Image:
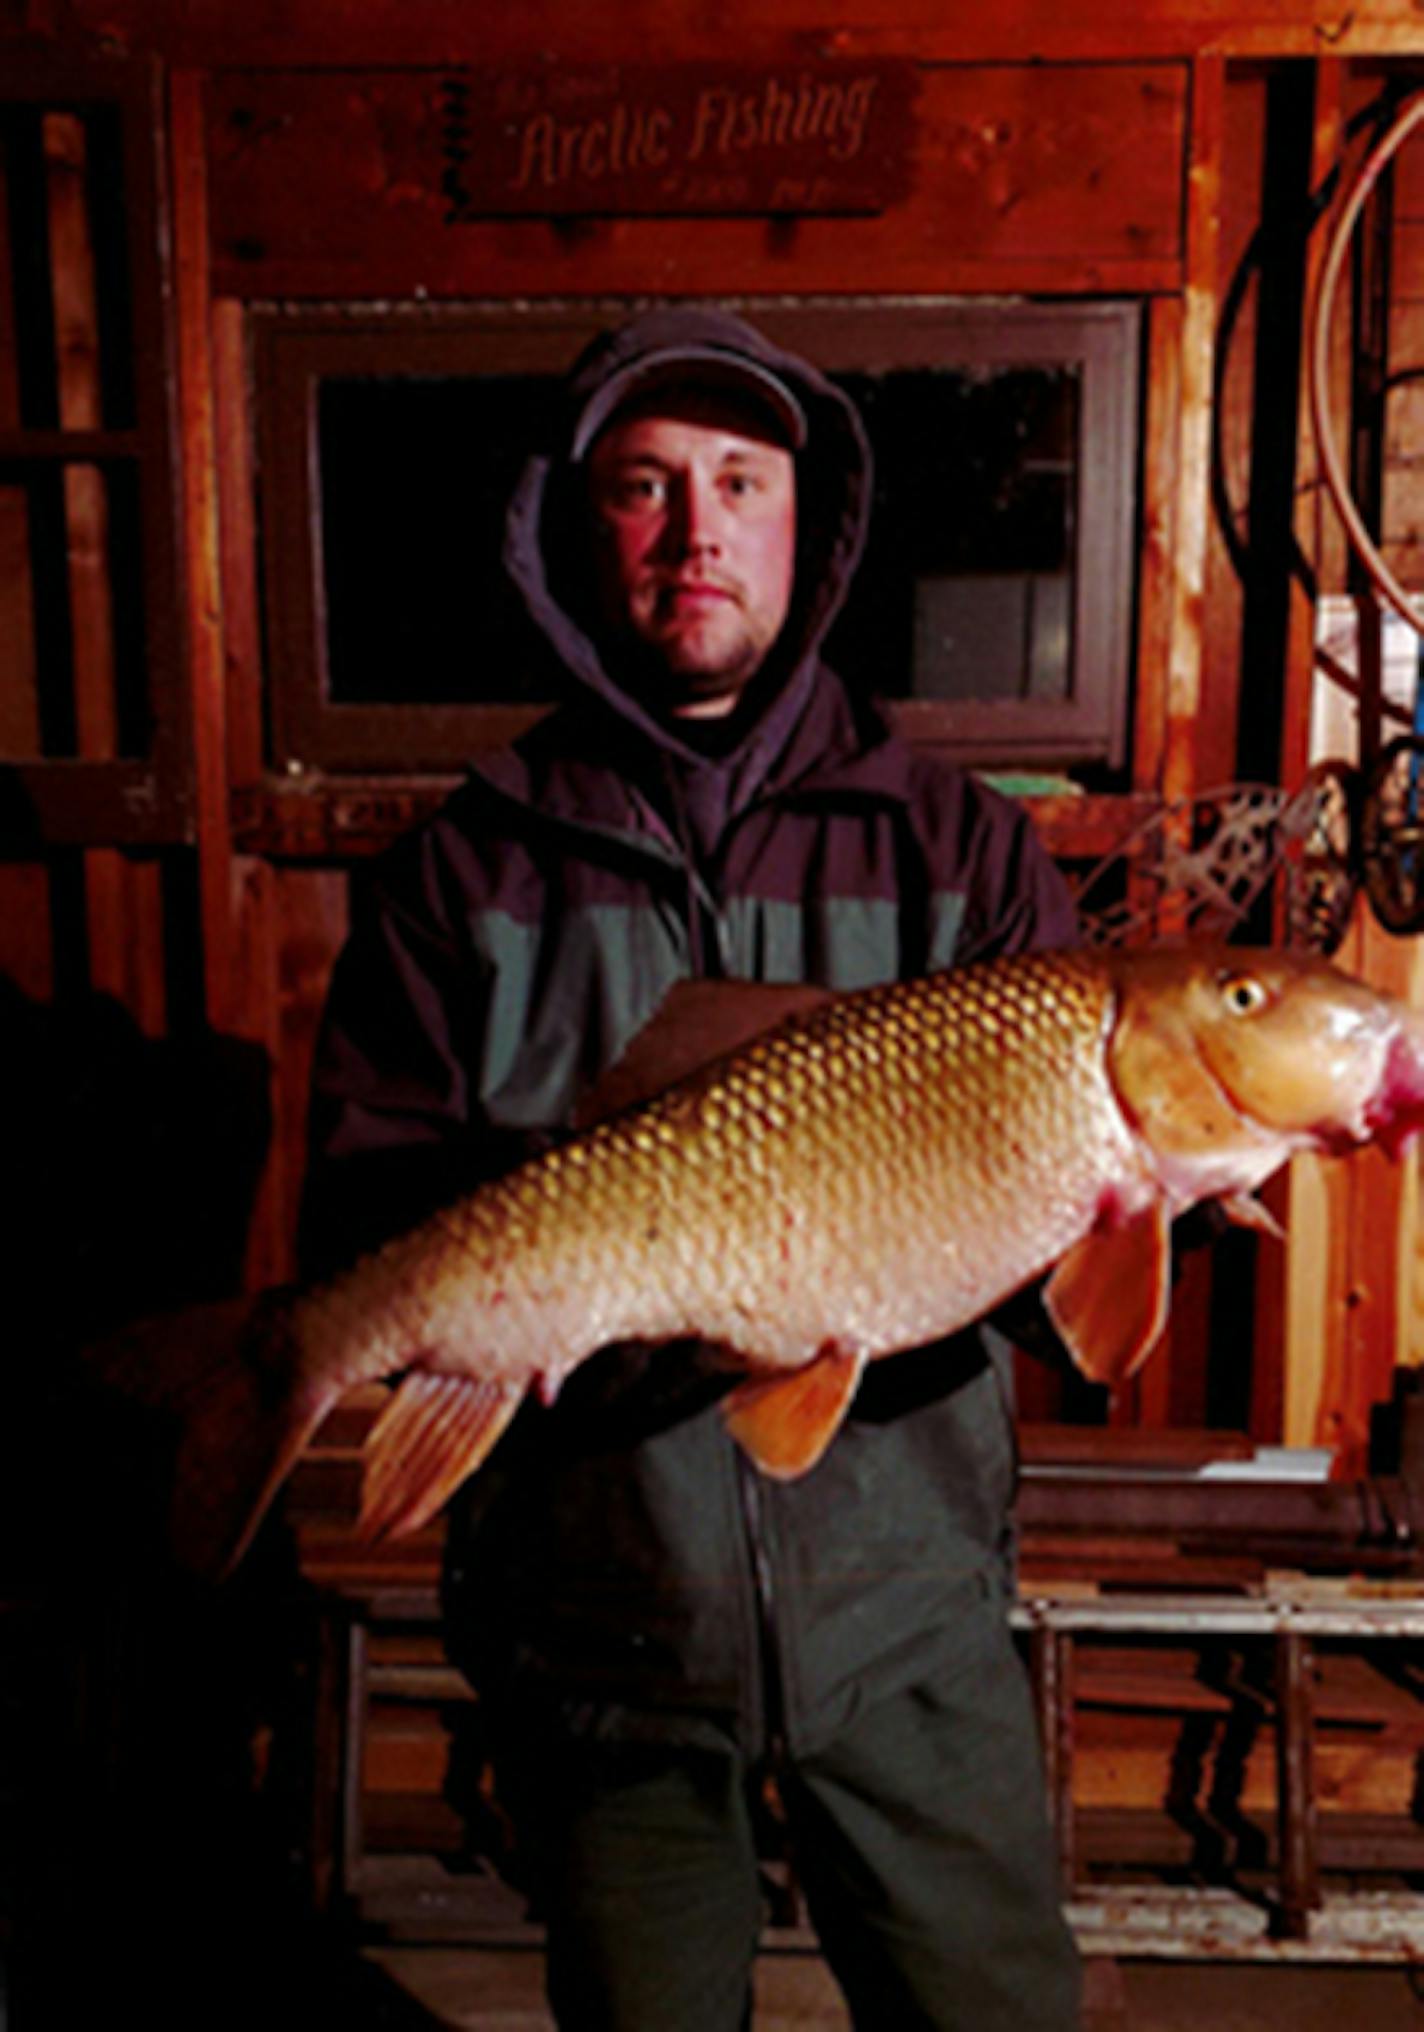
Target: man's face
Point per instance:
(695, 536)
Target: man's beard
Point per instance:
(667, 684)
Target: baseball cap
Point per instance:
(690, 366)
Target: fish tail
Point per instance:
(229, 1376)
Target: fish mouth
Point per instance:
(1394, 1115)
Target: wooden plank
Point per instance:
(201, 581)
(9, 340)
(1372, 1329)
(254, 1012)
(298, 819)
(1346, 1265)
(1245, 111)
(127, 934)
(26, 944)
(1331, 546)
(123, 898)
(311, 923)
(86, 803)
(1028, 177)
(816, 136)
(86, 504)
(1132, 1760)
(1407, 249)
(1408, 174)
(1174, 732)
(1315, 1271)
(1155, 549)
(1409, 1286)
(1191, 520)
(19, 703)
(238, 540)
(1310, 530)
(205, 32)
(1295, 1784)
(19, 699)
(1292, 1289)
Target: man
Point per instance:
(662, 1639)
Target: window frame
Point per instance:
(148, 799)
(296, 346)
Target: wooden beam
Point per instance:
(1193, 507)
(209, 32)
(201, 579)
(19, 703)
(1157, 546)
(26, 939)
(238, 542)
(86, 504)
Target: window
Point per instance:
(94, 741)
(994, 604)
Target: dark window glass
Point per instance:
(966, 591)
(416, 476)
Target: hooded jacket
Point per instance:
(617, 1569)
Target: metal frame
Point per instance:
(1301, 1922)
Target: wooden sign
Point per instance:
(1008, 178)
(797, 139)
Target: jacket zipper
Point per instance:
(771, 1675)
(708, 959)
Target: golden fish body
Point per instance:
(871, 1176)
(866, 1177)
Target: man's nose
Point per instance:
(698, 517)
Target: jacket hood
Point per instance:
(546, 544)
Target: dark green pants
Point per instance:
(919, 1837)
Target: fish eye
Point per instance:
(1243, 994)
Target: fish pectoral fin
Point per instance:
(1244, 1210)
(435, 1432)
(785, 1423)
(1108, 1297)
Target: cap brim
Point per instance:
(691, 367)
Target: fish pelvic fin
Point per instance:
(1108, 1297)
(433, 1434)
(1244, 1210)
(785, 1423)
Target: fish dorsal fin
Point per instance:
(785, 1423)
(1108, 1297)
(435, 1431)
(696, 1023)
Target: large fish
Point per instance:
(868, 1175)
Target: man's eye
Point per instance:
(739, 485)
(638, 492)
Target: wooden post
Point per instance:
(1295, 1754)
(202, 581)
(1052, 1662)
(1198, 352)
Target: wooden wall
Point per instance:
(1093, 149)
